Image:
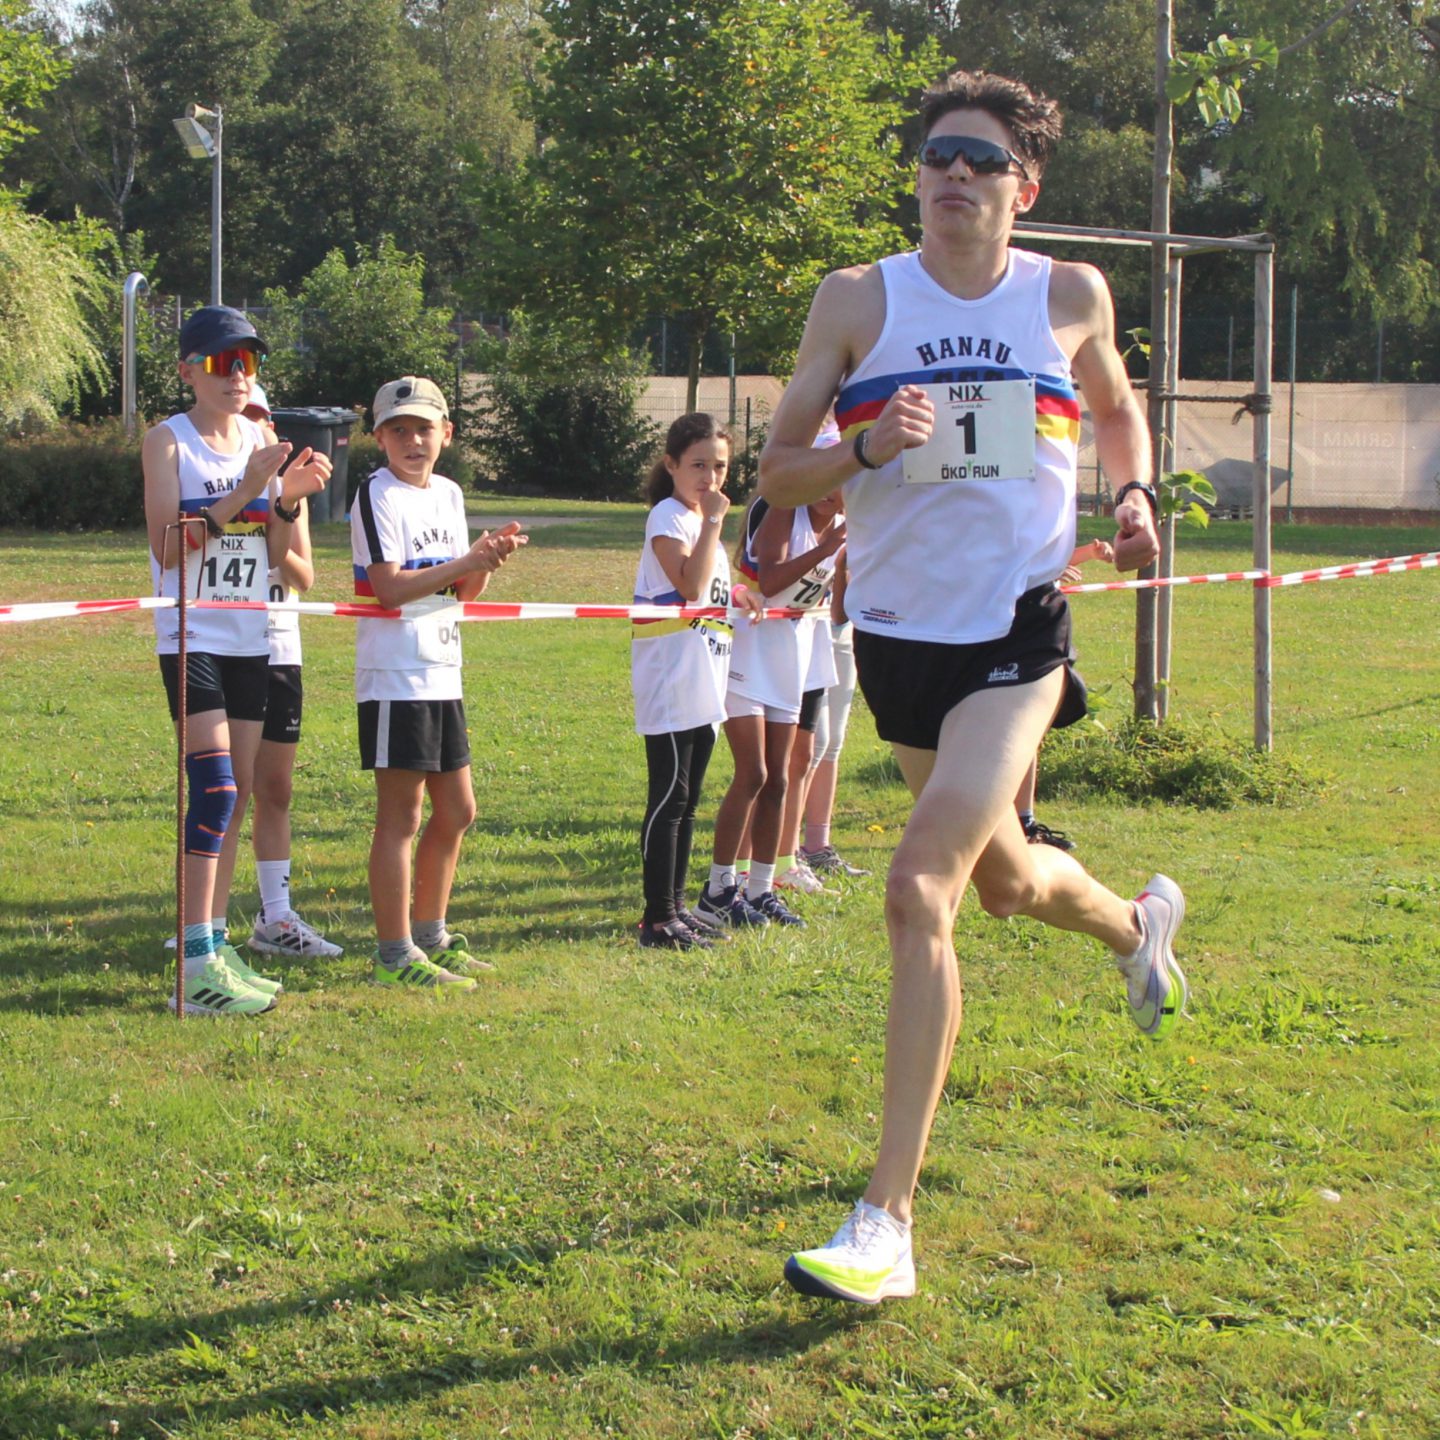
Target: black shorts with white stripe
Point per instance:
(425, 735)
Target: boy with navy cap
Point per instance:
(213, 463)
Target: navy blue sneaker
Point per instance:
(775, 910)
(729, 909)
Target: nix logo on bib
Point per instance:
(1003, 674)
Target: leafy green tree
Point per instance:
(707, 164)
(1335, 148)
(29, 66)
(350, 328)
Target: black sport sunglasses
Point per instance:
(981, 157)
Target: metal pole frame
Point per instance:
(1263, 248)
(135, 285)
(1260, 418)
(1165, 462)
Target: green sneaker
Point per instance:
(423, 973)
(218, 990)
(456, 957)
(253, 978)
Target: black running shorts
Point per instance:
(912, 685)
(236, 684)
(427, 735)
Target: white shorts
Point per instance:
(737, 707)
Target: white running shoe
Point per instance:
(291, 936)
(1156, 985)
(802, 878)
(868, 1260)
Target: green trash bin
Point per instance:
(326, 429)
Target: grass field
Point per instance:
(559, 1207)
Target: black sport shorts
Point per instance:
(236, 684)
(285, 705)
(912, 685)
(425, 735)
(810, 709)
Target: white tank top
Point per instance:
(772, 661)
(947, 561)
(233, 566)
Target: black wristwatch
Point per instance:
(288, 516)
(858, 446)
(1147, 491)
(215, 528)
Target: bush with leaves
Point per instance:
(552, 423)
(353, 327)
(73, 477)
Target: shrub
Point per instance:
(352, 328)
(73, 477)
(555, 424)
(1180, 761)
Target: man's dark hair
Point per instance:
(1033, 120)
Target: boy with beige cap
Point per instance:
(410, 542)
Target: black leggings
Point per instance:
(677, 764)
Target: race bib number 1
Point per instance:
(984, 430)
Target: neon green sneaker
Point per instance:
(218, 990)
(425, 974)
(253, 978)
(456, 957)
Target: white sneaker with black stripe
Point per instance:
(218, 990)
(291, 936)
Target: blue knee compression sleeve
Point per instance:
(212, 801)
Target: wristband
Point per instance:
(1146, 490)
(288, 516)
(714, 519)
(858, 446)
(215, 528)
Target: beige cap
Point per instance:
(409, 395)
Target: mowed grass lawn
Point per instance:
(560, 1206)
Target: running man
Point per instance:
(953, 370)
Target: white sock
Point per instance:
(274, 878)
(762, 878)
(722, 877)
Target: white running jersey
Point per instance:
(678, 668)
(772, 663)
(414, 527)
(232, 566)
(990, 512)
(283, 631)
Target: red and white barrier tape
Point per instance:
(486, 610)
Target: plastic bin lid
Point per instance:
(316, 414)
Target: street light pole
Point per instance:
(215, 210)
(205, 142)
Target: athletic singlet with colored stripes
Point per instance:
(947, 562)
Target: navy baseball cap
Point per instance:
(213, 328)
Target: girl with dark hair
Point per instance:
(679, 669)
